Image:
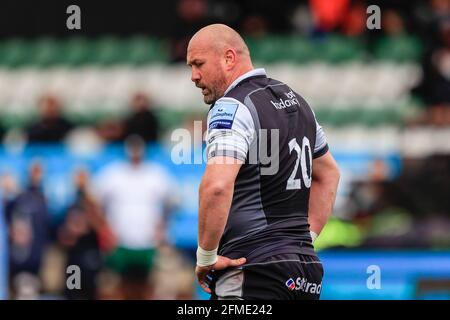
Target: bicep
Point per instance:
(221, 171)
(324, 166)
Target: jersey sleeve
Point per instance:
(230, 129)
(321, 146)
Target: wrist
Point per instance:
(206, 257)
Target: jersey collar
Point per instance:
(251, 73)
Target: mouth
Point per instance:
(204, 89)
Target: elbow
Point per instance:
(336, 174)
(213, 189)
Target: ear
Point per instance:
(230, 58)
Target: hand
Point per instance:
(222, 263)
(107, 239)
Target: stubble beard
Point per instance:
(216, 90)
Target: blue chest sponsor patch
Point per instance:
(222, 115)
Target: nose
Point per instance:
(195, 75)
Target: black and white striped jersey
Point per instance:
(265, 124)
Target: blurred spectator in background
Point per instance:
(410, 210)
(328, 14)
(2, 132)
(435, 85)
(142, 120)
(440, 9)
(190, 14)
(192, 11)
(10, 188)
(3, 253)
(178, 49)
(348, 17)
(354, 23)
(110, 130)
(82, 234)
(392, 23)
(51, 125)
(135, 196)
(254, 26)
(28, 222)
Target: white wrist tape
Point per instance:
(206, 257)
(313, 236)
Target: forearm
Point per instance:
(321, 202)
(215, 202)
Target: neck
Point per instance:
(239, 72)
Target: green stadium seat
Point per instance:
(300, 50)
(338, 118)
(44, 52)
(267, 49)
(141, 50)
(403, 48)
(105, 51)
(322, 115)
(337, 49)
(14, 53)
(75, 51)
(13, 120)
(270, 49)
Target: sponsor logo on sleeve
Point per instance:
(222, 116)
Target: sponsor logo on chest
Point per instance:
(285, 103)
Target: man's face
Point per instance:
(207, 72)
(49, 108)
(139, 102)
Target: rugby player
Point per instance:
(264, 198)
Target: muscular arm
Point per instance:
(324, 185)
(228, 140)
(216, 194)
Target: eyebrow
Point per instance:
(195, 61)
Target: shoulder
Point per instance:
(226, 112)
